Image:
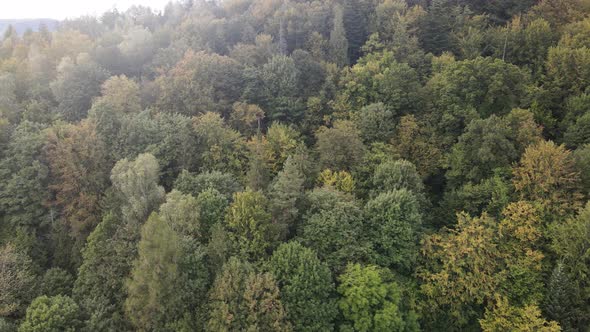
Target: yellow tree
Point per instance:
(546, 174)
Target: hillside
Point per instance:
(298, 165)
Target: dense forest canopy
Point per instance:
(298, 165)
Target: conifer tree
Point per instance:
(338, 41)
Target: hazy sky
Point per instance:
(60, 9)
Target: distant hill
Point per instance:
(21, 25)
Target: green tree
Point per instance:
(223, 149)
(306, 287)
(181, 212)
(338, 42)
(17, 281)
(199, 83)
(152, 300)
(285, 196)
(137, 181)
(490, 86)
(394, 221)
(195, 184)
(380, 78)
(112, 247)
(484, 147)
(371, 301)
(582, 162)
(120, 94)
(76, 84)
(52, 314)
(563, 302)
(395, 175)
(333, 227)
(265, 310)
(56, 281)
(569, 240)
(339, 147)
(249, 224)
(376, 123)
(228, 310)
(24, 177)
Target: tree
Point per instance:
(274, 87)
(181, 212)
(195, 184)
(339, 147)
(246, 117)
(333, 227)
(484, 147)
(200, 83)
(137, 181)
(152, 303)
(285, 198)
(258, 174)
(504, 317)
(376, 123)
(120, 94)
(582, 158)
(112, 247)
(415, 142)
(306, 287)
(567, 69)
(100, 286)
(242, 300)
(76, 84)
(17, 281)
(563, 302)
(79, 173)
(56, 281)
(265, 310)
(395, 175)
(380, 78)
(52, 314)
(371, 301)
(487, 85)
(223, 148)
(249, 225)
(546, 174)
(569, 240)
(24, 177)
(212, 206)
(341, 181)
(394, 222)
(469, 271)
(338, 42)
(228, 310)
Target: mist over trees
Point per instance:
(298, 165)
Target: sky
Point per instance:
(61, 9)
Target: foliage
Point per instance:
(17, 281)
(306, 287)
(394, 221)
(546, 173)
(339, 147)
(371, 300)
(249, 225)
(52, 314)
(505, 317)
(152, 301)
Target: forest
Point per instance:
(298, 165)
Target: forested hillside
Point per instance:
(298, 165)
